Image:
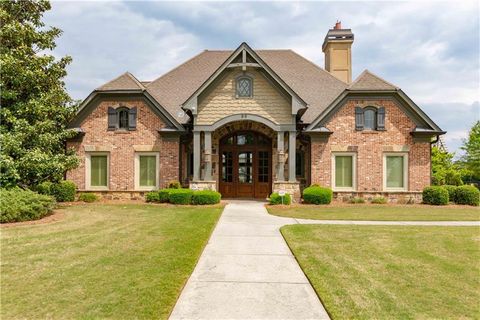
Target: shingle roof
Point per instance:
(124, 82)
(368, 81)
(317, 87)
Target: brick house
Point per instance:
(248, 122)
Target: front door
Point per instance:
(245, 165)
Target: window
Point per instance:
(146, 171)
(344, 172)
(370, 119)
(97, 169)
(244, 87)
(395, 171)
(300, 163)
(123, 119)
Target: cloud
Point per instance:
(430, 50)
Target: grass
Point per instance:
(378, 212)
(385, 272)
(103, 261)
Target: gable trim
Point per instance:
(90, 102)
(407, 105)
(191, 102)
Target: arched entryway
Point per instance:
(245, 163)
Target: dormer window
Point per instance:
(122, 118)
(244, 87)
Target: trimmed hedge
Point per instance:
(180, 196)
(152, 196)
(317, 195)
(451, 192)
(62, 191)
(24, 205)
(87, 197)
(164, 195)
(206, 197)
(275, 198)
(435, 195)
(467, 195)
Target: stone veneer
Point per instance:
(292, 188)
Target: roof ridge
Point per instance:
(135, 79)
(357, 78)
(178, 66)
(126, 73)
(317, 66)
(368, 72)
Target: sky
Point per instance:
(429, 49)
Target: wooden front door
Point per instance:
(245, 165)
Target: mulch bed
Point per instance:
(54, 217)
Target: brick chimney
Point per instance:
(337, 48)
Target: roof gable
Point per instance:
(125, 81)
(367, 81)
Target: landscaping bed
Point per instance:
(386, 272)
(119, 261)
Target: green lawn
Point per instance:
(385, 272)
(103, 261)
(378, 212)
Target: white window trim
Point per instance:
(405, 171)
(137, 171)
(354, 171)
(88, 166)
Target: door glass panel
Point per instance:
(148, 171)
(227, 166)
(395, 172)
(98, 171)
(262, 140)
(245, 139)
(245, 167)
(263, 166)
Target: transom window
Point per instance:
(395, 173)
(244, 87)
(344, 173)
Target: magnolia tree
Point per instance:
(35, 107)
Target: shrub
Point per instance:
(317, 195)
(152, 196)
(174, 184)
(180, 196)
(164, 195)
(451, 192)
(206, 197)
(379, 200)
(275, 198)
(357, 200)
(435, 195)
(87, 197)
(467, 195)
(23, 205)
(63, 191)
(45, 188)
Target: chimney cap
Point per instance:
(337, 34)
(338, 25)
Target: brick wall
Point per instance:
(122, 145)
(370, 146)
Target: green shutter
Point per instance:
(395, 171)
(98, 171)
(344, 171)
(148, 171)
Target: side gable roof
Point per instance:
(125, 81)
(369, 82)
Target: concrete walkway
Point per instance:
(247, 270)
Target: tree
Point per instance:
(35, 105)
(471, 146)
(444, 170)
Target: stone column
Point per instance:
(208, 156)
(292, 148)
(196, 155)
(281, 156)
